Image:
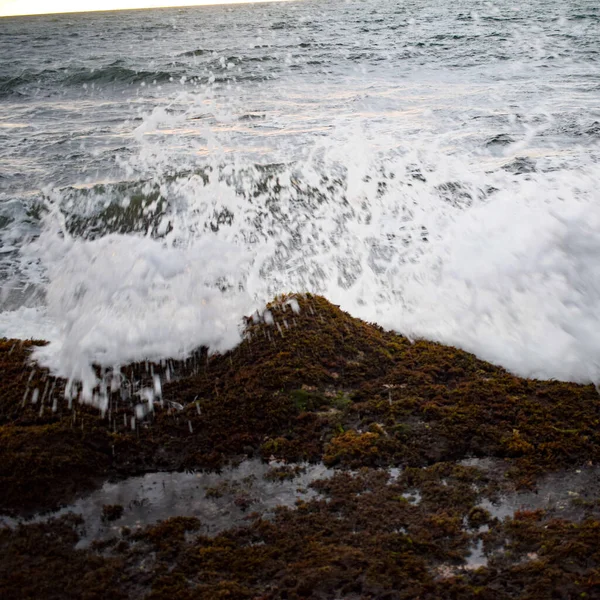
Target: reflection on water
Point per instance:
(218, 500)
(563, 494)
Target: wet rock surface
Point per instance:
(219, 500)
(322, 458)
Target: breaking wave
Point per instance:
(501, 263)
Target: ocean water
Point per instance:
(429, 165)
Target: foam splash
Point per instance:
(434, 243)
(122, 298)
(516, 281)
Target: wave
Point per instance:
(10, 85)
(501, 264)
(116, 73)
(217, 70)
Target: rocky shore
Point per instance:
(425, 447)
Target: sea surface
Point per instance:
(429, 165)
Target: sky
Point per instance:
(35, 7)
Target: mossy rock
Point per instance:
(310, 384)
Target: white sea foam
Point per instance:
(511, 275)
(124, 297)
(516, 280)
(28, 323)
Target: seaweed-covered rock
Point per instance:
(308, 382)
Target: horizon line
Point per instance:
(138, 8)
